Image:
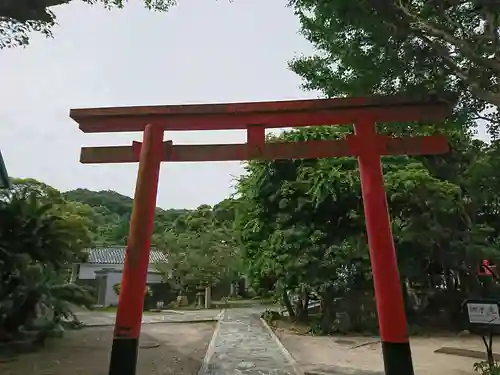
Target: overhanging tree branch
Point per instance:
(433, 30)
(27, 10)
(476, 89)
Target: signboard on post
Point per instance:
(483, 316)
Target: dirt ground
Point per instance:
(364, 353)
(86, 352)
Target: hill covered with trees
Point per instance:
(110, 213)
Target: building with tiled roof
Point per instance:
(110, 257)
(116, 255)
(103, 268)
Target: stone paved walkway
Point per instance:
(243, 346)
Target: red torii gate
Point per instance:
(365, 144)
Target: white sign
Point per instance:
(483, 313)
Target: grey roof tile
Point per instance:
(116, 255)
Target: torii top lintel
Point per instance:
(275, 114)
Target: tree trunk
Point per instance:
(242, 287)
(306, 306)
(327, 315)
(406, 300)
(450, 285)
(21, 315)
(302, 308)
(288, 304)
(232, 289)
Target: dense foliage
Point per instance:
(41, 235)
(202, 247)
(302, 228)
(301, 222)
(413, 46)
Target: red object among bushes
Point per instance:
(487, 269)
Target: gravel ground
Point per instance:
(354, 354)
(86, 352)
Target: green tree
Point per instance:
(301, 225)
(303, 231)
(40, 238)
(76, 215)
(202, 247)
(392, 46)
(443, 207)
(482, 185)
(31, 186)
(18, 18)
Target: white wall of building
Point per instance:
(87, 271)
(111, 298)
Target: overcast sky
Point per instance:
(199, 52)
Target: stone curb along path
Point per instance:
(243, 344)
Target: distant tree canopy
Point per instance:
(202, 246)
(109, 213)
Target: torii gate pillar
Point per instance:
(131, 302)
(389, 298)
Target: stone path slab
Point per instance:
(97, 318)
(242, 345)
(336, 370)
